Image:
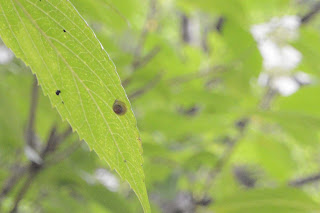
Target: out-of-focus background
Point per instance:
(226, 95)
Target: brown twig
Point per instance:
(185, 28)
(138, 61)
(136, 64)
(311, 14)
(17, 174)
(23, 190)
(266, 101)
(242, 126)
(33, 169)
(305, 180)
(220, 23)
(144, 33)
(53, 141)
(196, 75)
(58, 157)
(225, 158)
(151, 84)
(145, 59)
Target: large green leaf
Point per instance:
(284, 200)
(53, 39)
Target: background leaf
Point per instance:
(267, 200)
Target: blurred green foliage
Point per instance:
(211, 134)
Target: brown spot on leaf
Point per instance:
(119, 107)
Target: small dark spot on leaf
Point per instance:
(119, 107)
(58, 92)
(62, 102)
(64, 30)
(125, 161)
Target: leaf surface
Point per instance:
(53, 39)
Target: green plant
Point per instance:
(217, 132)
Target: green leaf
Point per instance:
(284, 200)
(299, 124)
(302, 101)
(108, 199)
(302, 110)
(264, 10)
(308, 44)
(260, 149)
(53, 39)
(200, 159)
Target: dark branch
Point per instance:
(60, 156)
(306, 180)
(19, 172)
(311, 14)
(54, 140)
(151, 84)
(138, 63)
(220, 24)
(33, 169)
(185, 28)
(196, 75)
(205, 201)
(145, 31)
(268, 98)
(16, 176)
(147, 58)
(51, 143)
(242, 126)
(23, 191)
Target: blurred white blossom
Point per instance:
(285, 85)
(5, 55)
(107, 179)
(280, 58)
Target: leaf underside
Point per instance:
(64, 53)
